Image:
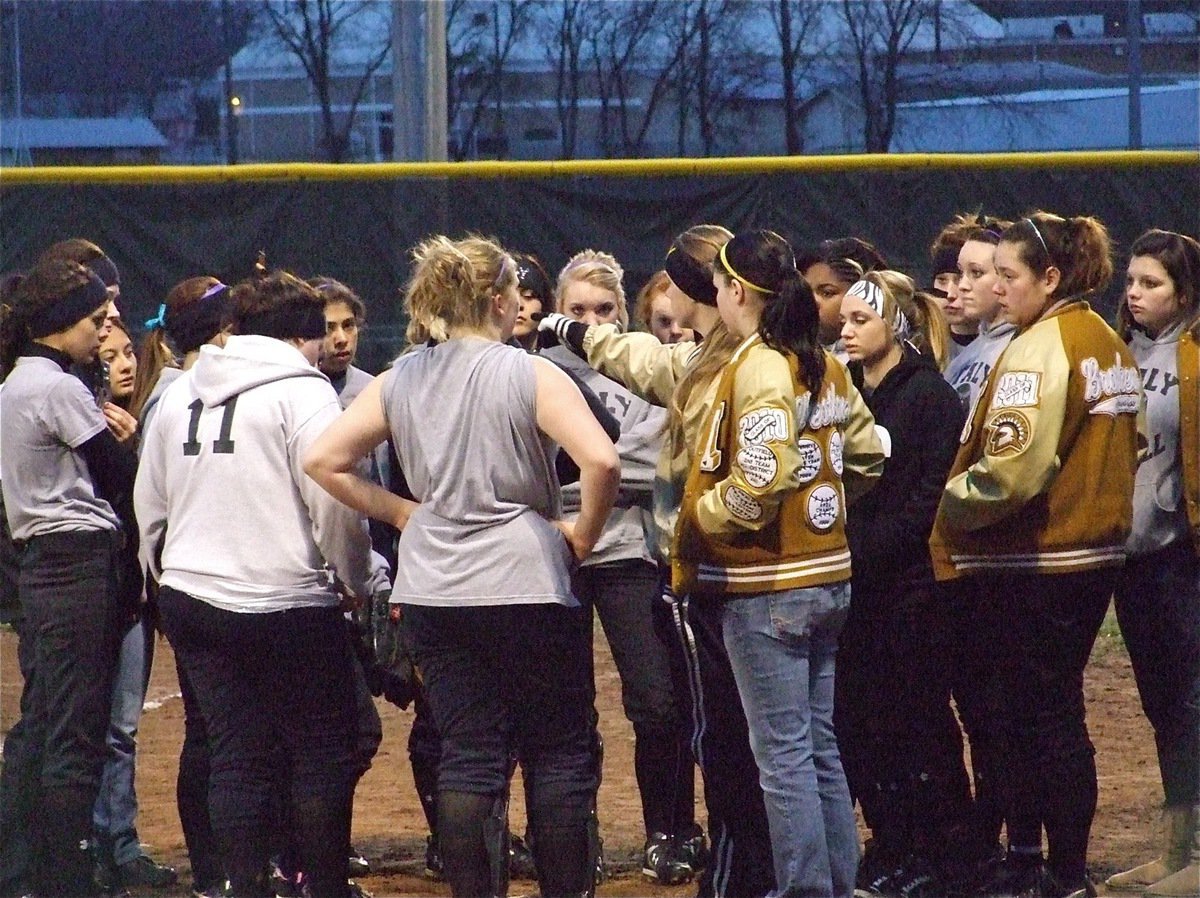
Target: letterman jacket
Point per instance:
(1043, 479)
(1189, 429)
(764, 507)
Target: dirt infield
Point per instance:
(390, 829)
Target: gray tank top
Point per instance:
(463, 419)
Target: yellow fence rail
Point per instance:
(376, 171)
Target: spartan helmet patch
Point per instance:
(1008, 433)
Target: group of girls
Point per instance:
(947, 516)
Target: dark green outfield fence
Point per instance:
(357, 222)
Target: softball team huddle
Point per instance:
(817, 510)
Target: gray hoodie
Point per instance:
(1159, 514)
(969, 369)
(220, 485)
(626, 531)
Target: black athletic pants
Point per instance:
(741, 865)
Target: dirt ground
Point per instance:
(390, 829)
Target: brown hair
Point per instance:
(702, 243)
(1179, 255)
(1078, 247)
(278, 305)
(969, 226)
(452, 285)
(643, 305)
(155, 352)
(333, 290)
(50, 279)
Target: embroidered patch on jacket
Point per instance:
(1017, 389)
(836, 448)
(763, 425)
(1116, 390)
(810, 460)
(824, 507)
(741, 504)
(1124, 404)
(1008, 434)
(759, 465)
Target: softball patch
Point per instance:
(1008, 434)
(836, 444)
(810, 460)
(759, 466)
(823, 507)
(741, 504)
(764, 425)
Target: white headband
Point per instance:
(873, 296)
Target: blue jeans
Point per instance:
(115, 814)
(783, 647)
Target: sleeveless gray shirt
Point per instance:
(462, 416)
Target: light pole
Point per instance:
(232, 103)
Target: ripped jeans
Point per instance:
(783, 647)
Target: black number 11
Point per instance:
(222, 445)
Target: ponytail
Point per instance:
(931, 332)
(764, 262)
(153, 355)
(789, 324)
(1079, 248)
(452, 285)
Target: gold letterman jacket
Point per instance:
(1043, 480)
(764, 505)
(1189, 429)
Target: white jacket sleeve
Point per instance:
(340, 533)
(149, 499)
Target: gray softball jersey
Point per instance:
(463, 420)
(46, 414)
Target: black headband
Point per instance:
(106, 271)
(690, 276)
(531, 278)
(70, 308)
(290, 321)
(945, 260)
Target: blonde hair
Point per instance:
(702, 243)
(930, 332)
(598, 269)
(452, 285)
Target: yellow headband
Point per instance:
(732, 271)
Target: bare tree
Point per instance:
(795, 20)
(716, 69)
(314, 31)
(879, 34)
(565, 31)
(633, 63)
(480, 39)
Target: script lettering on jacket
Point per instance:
(832, 409)
(1115, 389)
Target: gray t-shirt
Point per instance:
(463, 420)
(1159, 515)
(47, 414)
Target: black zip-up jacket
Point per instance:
(889, 527)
